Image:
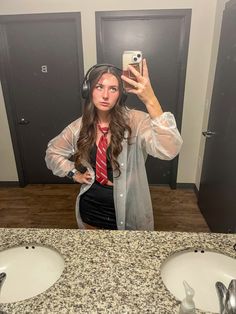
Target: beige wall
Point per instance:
(203, 38)
(7, 160)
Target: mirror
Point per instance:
(202, 56)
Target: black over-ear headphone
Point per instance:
(85, 89)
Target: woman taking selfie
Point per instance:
(110, 144)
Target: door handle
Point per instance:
(23, 121)
(208, 134)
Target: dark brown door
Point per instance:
(217, 194)
(42, 69)
(163, 36)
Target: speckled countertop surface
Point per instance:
(109, 271)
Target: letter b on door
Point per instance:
(44, 69)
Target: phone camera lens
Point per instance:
(138, 55)
(135, 59)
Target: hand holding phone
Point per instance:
(134, 58)
(140, 85)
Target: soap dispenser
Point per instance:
(187, 306)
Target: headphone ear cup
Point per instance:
(85, 90)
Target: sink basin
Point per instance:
(30, 270)
(201, 269)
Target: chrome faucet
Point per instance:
(2, 279)
(227, 297)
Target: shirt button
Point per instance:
(121, 222)
(122, 164)
(121, 195)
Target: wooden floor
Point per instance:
(52, 206)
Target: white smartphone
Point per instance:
(135, 58)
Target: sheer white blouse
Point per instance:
(157, 137)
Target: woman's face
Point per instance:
(106, 92)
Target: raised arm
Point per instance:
(157, 129)
(143, 89)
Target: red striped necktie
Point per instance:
(101, 157)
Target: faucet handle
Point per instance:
(2, 279)
(227, 297)
(230, 302)
(221, 292)
(3, 276)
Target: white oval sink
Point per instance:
(201, 269)
(30, 270)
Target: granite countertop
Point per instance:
(109, 271)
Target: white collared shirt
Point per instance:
(157, 137)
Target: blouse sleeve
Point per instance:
(59, 150)
(160, 136)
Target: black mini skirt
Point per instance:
(97, 207)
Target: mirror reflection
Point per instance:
(111, 143)
(170, 92)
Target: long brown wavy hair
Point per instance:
(118, 124)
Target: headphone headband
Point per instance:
(85, 90)
(99, 66)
